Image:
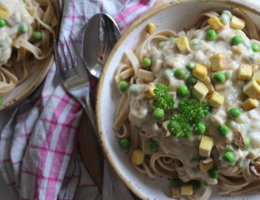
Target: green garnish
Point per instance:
(193, 110)
(213, 173)
(229, 157)
(163, 99)
(178, 126)
(124, 143)
(158, 113)
(152, 145)
(146, 62)
(248, 142)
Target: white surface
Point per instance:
(180, 16)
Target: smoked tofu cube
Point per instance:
(215, 23)
(187, 190)
(245, 72)
(216, 99)
(137, 157)
(237, 23)
(4, 14)
(176, 192)
(200, 90)
(200, 72)
(218, 62)
(150, 28)
(150, 90)
(256, 77)
(250, 104)
(239, 140)
(252, 89)
(183, 45)
(206, 144)
(206, 164)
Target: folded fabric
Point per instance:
(38, 147)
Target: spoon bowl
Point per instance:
(100, 36)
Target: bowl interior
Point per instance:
(176, 16)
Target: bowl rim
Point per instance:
(37, 81)
(243, 5)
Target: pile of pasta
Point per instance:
(27, 29)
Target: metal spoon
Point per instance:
(101, 34)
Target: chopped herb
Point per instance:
(193, 110)
(179, 126)
(163, 99)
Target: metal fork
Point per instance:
(75, 80)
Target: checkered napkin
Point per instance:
(38, 154)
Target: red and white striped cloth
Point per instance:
(38, 154)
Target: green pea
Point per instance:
(191, 80)
(255, 47)
(180, 73)
(152, 145)
(211, 35)
(183, 91)
(37, 35)
(248, 142)
(234, 112)
(124, 143)
(228, 74)
(175, 182)
(190, 65)
(201, 128)
(168, 73)
(161, 44)
(240, 164)
(213, 173)
(2, 23)
(227, 12)
(229, 157)
(236, 40)
(123, 85)
(219, 77)
(195, 42)
(225, 19)
(196, 185)
(1, 100)
(223, 130)
(158, 113)
(147, 62)
(23, 28)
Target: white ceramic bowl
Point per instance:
(176, 15)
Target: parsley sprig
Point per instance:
(189, 113)
(163, 99)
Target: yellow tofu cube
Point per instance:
(245, 72)
(256, 77)
(218, 62)
(183, 45)
(187, 189)
(200, 72)
(176, 192)
(252, 89)
(150, 28)
(200, 90)
(137, 157)
(250, 104)
(4, 14)
(216, 99)
(206, 164)
(209, 85)
(149, 93)
(237, 23)
(215, 23)
(206, 144)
